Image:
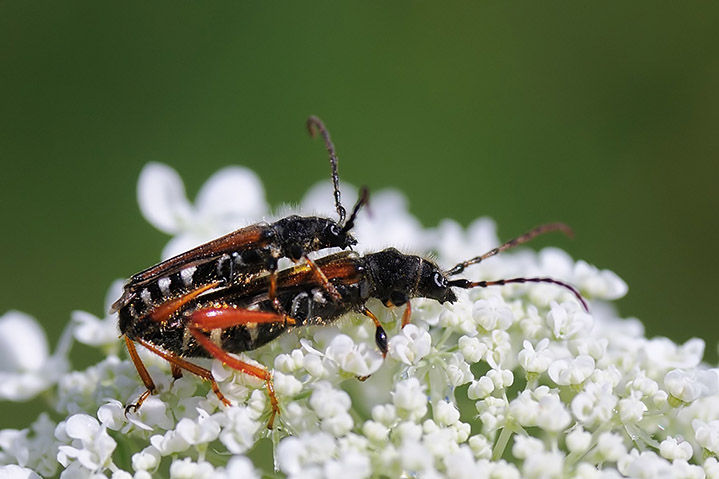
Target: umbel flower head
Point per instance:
(507, 382)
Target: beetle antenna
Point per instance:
(466, 284)
(361, 201)
(530, 235)
(315, 125)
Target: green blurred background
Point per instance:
(604, 116)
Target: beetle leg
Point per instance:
(380, 336)
(144, 375)
(219, 318)
(176, 371)
(322, 278)
(256, 371)
(175, 362)
(170, 307)
(407, 315)
(208, 319)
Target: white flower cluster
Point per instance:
(508, 382)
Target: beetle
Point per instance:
(233, 258)
(243, 317)
(251, 249)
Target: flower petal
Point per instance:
(162, 198)
(230, 197)
(23, 343)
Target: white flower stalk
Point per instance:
(514, 381)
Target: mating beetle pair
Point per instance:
(227, 296)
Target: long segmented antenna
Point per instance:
(361, 201)
(466, 284)
(530, 235)
(315, 125)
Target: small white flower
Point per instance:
(663, 354)
(146, 460)
(570, 372)
(595, 405)
(535, 360)
(524, 409)
(492, 413)
(407, 431)
(688, 386)
(26, 366)
(240, 467)
(440, 442)
(501, 378)
(350, 465)
(315, 367)
(602, 284)
(90, 444)
(112, 415)
(204, 430)
(553, 415)
(35, 447)
(533, 326)
(375, 431)
(502, 469)
(169, 443)
(327, 401)
(385, 414)
(673, 449)
(711, 467)
(302, 456)
(492, 314)
(578, 440)
(286, 385)
(631, 409)
(457, 370)
(568, 321)
(481, 447)
(544, 465)
(526, 446)
(707, 434)
(230, 198)
(499, 348)
(472, 349)
(356, 359)
(411, 345)
(289, 363)
(481, 388)
(611, 446)
(461, 465)
(446, 413)
(298, 418)
(416, 459)
(93, 331)
(239, 429)
(152, 414)
(642, 384)
(594, 347)
(644, 464)
(331, 406)
(187, 469)
(409, 399)
(585, 470)
(13, 471)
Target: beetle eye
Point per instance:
(439, 280)
(333, 230)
